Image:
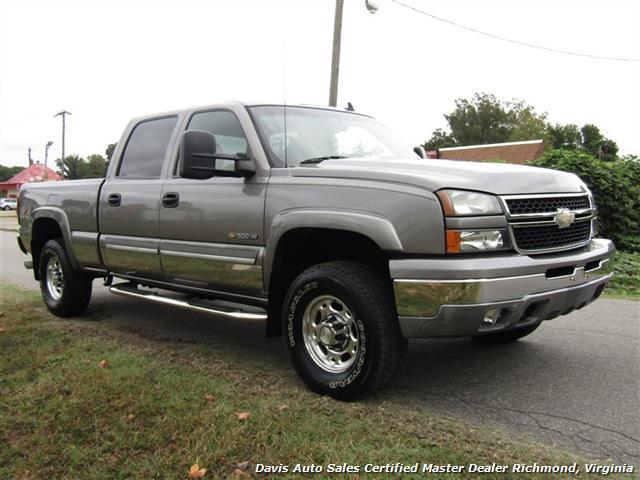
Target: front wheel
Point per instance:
(6, 208)
(341, 330)
(65, 291)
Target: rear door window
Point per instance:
(146, 148)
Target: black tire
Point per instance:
(75, 293)
(368, 310)
(506, 337)
(6, 208)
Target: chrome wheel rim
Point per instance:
(330, 334)
(54, 278)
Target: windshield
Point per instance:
(314, 134)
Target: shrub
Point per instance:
(615, 186)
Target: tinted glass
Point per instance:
(226, 128)
(145, 150)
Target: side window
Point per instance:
(145, 150)
(226, 128)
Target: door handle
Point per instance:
(114, 199)
(170, 200)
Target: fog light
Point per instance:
(491, 317)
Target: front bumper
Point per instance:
(454, 296)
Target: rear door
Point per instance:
(129, 201)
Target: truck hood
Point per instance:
(496, 178)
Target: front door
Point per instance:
(129, 201)
(212, 229)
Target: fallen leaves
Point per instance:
(243, 465)
(196, 472)
(103, 363)
(1, 329)
(283, 407)
(210, 398)
(242, 416)
(238, 473)
(130, 417)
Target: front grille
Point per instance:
(551, 236)
(519, 206)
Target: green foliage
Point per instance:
(486, 119)
(109, 151)
(96, 166)
(526, 123)
(626, 268)
(440, 139)
(72, 167)
(482, 120)
(615, 186)
(7, 172)
(75, 167)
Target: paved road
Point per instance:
(573, 383)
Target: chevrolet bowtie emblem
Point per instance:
(564, 217)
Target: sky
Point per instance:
(108, 61)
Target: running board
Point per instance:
(130, 290)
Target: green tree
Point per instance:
(96, 166)
(482, 120)
(7, 172)
(527, 123)
(486, 119)
(72, 168)
(440, 139)
(109, 151)
(596, 144)
(566, 136)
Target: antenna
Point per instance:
(284, 98)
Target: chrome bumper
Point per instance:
(452, 296)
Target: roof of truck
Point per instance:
(227, 103)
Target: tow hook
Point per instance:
(108, 280)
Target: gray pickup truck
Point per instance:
(326, 226)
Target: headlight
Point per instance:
(460, 202)
(461, 241)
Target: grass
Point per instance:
(146, 414)
(626, 279)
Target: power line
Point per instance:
(516, 42)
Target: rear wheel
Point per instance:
(341, 329)
(506, 337)
(65, 291)
(6, 208)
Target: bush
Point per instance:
(615, 186)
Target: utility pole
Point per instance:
(30, 159)
(63, 114)
(335, 56)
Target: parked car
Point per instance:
(8, 204)
(326, 226)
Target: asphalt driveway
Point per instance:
(574, 383)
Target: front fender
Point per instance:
(377, 228)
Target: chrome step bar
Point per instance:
(131, 290)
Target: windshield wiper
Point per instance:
(321, 159)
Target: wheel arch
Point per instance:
(48, 223)
(302, 239)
